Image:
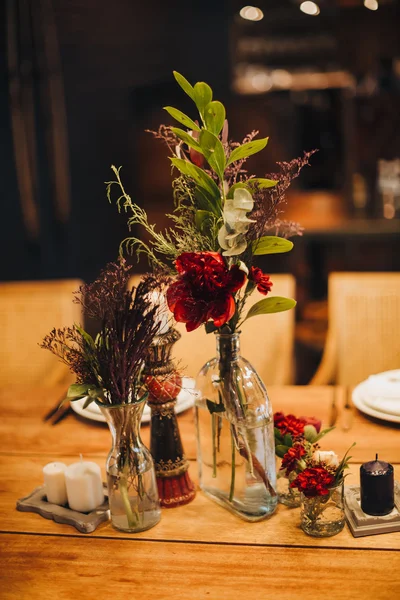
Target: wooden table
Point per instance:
(196, 551)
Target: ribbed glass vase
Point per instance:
(235, 435)
(131, 481)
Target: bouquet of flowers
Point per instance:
(224, 218)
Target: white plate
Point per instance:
(358, 396)
(185, 400)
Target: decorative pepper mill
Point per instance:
(175, 487)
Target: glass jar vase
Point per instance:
(235, 434)
(132, 488)
(286, 495)
(323, 516)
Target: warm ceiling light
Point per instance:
(310, 8)
(251, 13)
(371, 4)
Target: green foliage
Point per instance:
(281, 450)
(179, 116)
(185, 85)
(187, 138)
(199, 176)
(214, 117)
(271, 244)
(273, 304)
(246, 150)
(213, 150)
(202, 96)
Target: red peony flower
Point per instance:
(262, 281)
(204, 289)
(288, 424)
(289, 461)
(313, 482)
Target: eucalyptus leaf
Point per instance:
(271, 244)
(214, 116)
(199, 176)
(280, 450)
(179, 116)
(185, 85)
(236, 186)
(247, 150)
(187, 138)
(213, 150)
(213, 407)
(273, 304)
(202, 96)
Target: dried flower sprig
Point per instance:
(109, 367)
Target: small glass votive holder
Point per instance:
(323, 516)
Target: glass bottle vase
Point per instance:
(235, 435)
(323, 516)
(286, 495)
(132, 488)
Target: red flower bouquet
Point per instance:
(313, 481)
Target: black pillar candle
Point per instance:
(377, 487)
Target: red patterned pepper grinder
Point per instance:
(175, 487)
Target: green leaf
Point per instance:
(213, 151)
(201, 218)
(78, 389)
(202, 96)
(213, 407)
(261, 182)
(185, 85)
(179, 116)
(210, 327)
(187, 138)
(270, 305)
(278, 434)
(247, 150)
(206, 202)
(281, 450)
(236, 186)
(323, 433)
(86, 336)
(199, 176)
(271, 244)
(287, 440)
(310, 433)
(214, 116)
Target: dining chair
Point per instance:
(363, 327)
(267, 341)
(28, 311)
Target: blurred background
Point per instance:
(83, 80)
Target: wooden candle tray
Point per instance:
(37, 502)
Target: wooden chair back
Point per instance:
(364, 326)
(267, 341)
(28, 311)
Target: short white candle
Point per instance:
(84, 486)
(54, 480)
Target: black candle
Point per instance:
(377, 487)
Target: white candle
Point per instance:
(162, 315)
(54, 480)
(84, 486)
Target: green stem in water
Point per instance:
(233, 468)
(123, 489)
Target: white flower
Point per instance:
(326, 456)
(231, 236)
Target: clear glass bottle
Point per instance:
(286, 495)
(235, 434)
(132, 488)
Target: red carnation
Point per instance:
(288, 424)
(262, 281)
(313, 482)
(294, 454)
(204, 289)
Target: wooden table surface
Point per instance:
(196, 551)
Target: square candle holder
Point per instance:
(360, 523)
(37, 502)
